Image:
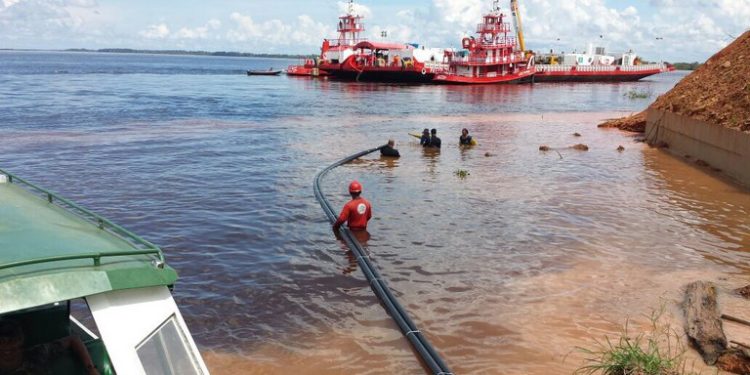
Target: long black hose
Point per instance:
(420, 343)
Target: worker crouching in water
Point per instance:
(356, 213)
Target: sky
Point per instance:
(670, 30)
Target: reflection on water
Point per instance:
(506, 271)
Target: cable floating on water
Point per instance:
(419, 342)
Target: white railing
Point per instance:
(436, 67)
(599, 68)
(498, 27)
(515, 58)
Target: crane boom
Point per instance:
(517, 23)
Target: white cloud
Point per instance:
(688, 29)
(9, 3)
(201, 32)
(160, 31)
(304, 31)
(358, 9)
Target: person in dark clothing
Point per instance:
(465, 139)
(425, 140)
(435, 142)
(388, 150)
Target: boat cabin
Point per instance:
(57, 260)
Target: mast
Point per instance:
(350, 26)
(517, 23)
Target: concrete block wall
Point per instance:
(720, 147)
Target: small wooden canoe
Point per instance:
(263, 72)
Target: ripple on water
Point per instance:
(505, 271)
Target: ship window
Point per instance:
(167, 352)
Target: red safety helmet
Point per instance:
(355, 187)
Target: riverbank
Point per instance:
(705, 118)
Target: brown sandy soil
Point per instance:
(717, 92)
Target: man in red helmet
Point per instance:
(357, 212)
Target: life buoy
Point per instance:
(424, 71)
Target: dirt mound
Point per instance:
(717, 92)
(635, 123)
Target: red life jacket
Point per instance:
(356, 213)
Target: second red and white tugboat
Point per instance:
(493, 56)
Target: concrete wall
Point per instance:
(722, 148)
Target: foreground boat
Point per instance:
(594, 66)
(55, 253)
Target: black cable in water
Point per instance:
(418, 341)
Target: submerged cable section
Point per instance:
(418, 341)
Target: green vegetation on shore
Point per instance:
(192, 53)
(658, 352)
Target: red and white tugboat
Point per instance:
(493, 56)
(390, 62)
(333, 51)
(353, 58)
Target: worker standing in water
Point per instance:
(357, 212)
(435, 141)
(425, 140)
(465, 139)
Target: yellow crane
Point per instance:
(517, 23)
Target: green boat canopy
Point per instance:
(53, 250)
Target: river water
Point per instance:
(506, 271)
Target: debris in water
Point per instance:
(576, 134)
(744, 291)
(620, 149)
(461, 173)
(580, 147)
(488, 154)
(544, 148)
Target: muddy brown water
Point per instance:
(506, 271)
(512, 268)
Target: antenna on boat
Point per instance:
(496, 5)
(350, 9)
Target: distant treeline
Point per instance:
(687, 66)
(194, 53)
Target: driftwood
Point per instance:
(703, 319)
(735, 361)
(736, 320)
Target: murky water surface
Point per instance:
(507, 271)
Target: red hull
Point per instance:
(349, 70)
(593, 74)
(523, 76)
(304, 71)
